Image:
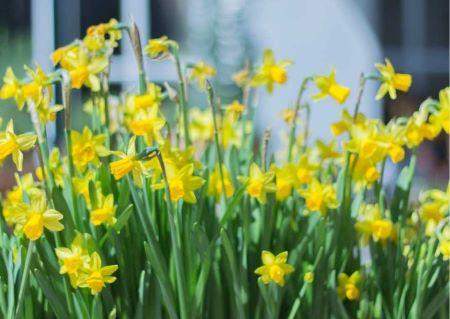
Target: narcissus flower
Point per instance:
(270, 72)
(434, 208)
(274, 268)
(202, 71)
(94, 276)
(129, 162)
(371, 224)
(259, 183)
(328, 86)
(391, 81)
(105, 213)
(348, 287)
(148, 124)
(182, 183)
(235, 109)
(215, 185)
(73, 259)
(34, 217)
(242, 77)
(285, 180)
(441, 118)
(319, 197)
(12, 144)
(158, 48)
(12, 88)
(87, 147)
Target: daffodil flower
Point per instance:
(441, 119)
(328, 86)
(348, 286)
(87, 148)
(12, 144)
(129, 162)
(73, 259)
(158, 48)
(94, 276)
(391, 81)
(34, 217)
(105, 212)
(274, 268)
(319, 197)
(285, 180)
(12, 88)
(270, 72)
(201, 71)
(149, 125)
(182, 183)
(259, 183)
(372, 224)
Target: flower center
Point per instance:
(95, 281)
(255, 188)
(176, 189)
(34, 227)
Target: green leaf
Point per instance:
(56, 303)
(232, 205)
(61, 206)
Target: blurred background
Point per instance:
(350, 35)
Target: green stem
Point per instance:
(176, 245)
(182, 95)
(296, 111)
(362, 83)
(216, 135)
(24, 281)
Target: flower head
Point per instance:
(328, 86)
(348, 287)
(158, 48)
(87, 148)
(372, 224)
(391, 81)
(105, 212)
(12, 144)
(259, 183)
(270, 72)
(94, 276)
(274, 268)
(319, 197)
(202, 71)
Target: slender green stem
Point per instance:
(176, 245)
(297, 108)
(24, 281)
(182, 94)
(212, 104)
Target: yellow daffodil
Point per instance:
(83, 68)
(150, 100)
(274, 268)
(306, 167)
(149, 125)
(103, 35)
(285, 180)
(158, 48)
(94, 276)
(215, 185)
(34, 217)
(347, 122)
(308, 277)
(327, 150)
(371, 224)
(288, 115)
(391, 81)
(182, 183)
(129, 162)
(418, 128)
(348, 287)
(87, 147)
(328, 86)
(202, 71)
(12, 144)
(235, 109)
(441, 119)
(12, 88)
(259, 183)
(105, 212)
(270, 72)
(73, 259)
(319, 197)
(434, 208)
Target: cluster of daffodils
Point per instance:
(170, 209)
